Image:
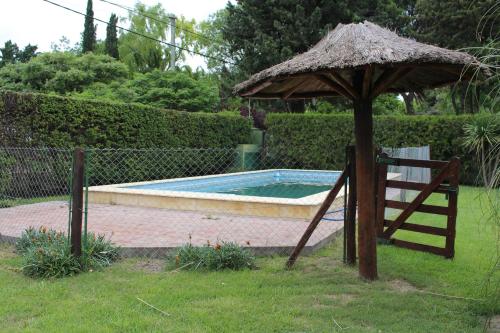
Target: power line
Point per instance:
(132, 10)
(142, 35)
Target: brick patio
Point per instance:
(154, 232)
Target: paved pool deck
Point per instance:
(155, 232)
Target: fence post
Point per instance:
(77, 202)
(350, 221)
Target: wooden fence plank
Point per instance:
(425, 229)
(423, 208)
(426, 192)
(444, 189)
(419, 247)
(431, 164)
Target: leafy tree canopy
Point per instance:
(262, 33)
(179, 90)
(142, 54)
(61, 72)
(455, 24)
(10, 53)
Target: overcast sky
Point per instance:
(40, 23)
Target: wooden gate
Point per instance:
(445, 181)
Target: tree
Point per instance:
(257, 34)
(11, 53)
(61, 72)
(261, 33)
(453, 24)
(179, 90)
(64, 45)
(89, 30)
(143, 54)
(111, 43)
(457, 25)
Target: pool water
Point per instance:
(280, 190)
(289, 184)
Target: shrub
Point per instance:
(318, 141)
(225, 255)
(47, 254)
(52, 260)
(99, 252)
(34, 238)
(51, 121)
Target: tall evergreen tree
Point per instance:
(89, 30)
(111, 42)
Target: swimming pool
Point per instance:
(292, 184)
(272, 193)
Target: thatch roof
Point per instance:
(405, 65)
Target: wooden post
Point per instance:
(381, 189)
(452, 213)
(77, 202)
(350, 222)
(365, 182)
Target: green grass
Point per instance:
(5, 203)
(319, 293)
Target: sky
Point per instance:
(40, 23)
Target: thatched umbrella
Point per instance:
(360, 62)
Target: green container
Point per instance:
(248, 157)
(256, 136)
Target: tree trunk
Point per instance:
(408, 98)
(453, 101)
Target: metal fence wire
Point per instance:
(35, 186)
(151, 201)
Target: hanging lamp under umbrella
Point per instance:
(361, 61)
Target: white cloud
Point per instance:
(40, 23)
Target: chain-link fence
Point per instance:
(150, 201)
(35, 186)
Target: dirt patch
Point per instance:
(150, 265)
(7, 252)
(494, 325)
(402, 286)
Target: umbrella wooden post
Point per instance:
(365, 182)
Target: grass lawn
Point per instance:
(5, 203)
(319, 295)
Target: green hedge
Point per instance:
(319, 140)
(53, 121)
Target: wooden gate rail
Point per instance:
(448, 172)
(350, 221)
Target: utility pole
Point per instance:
(172, 42)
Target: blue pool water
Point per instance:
(271, 183)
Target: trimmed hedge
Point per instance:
(319, 140)
(28, 119)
